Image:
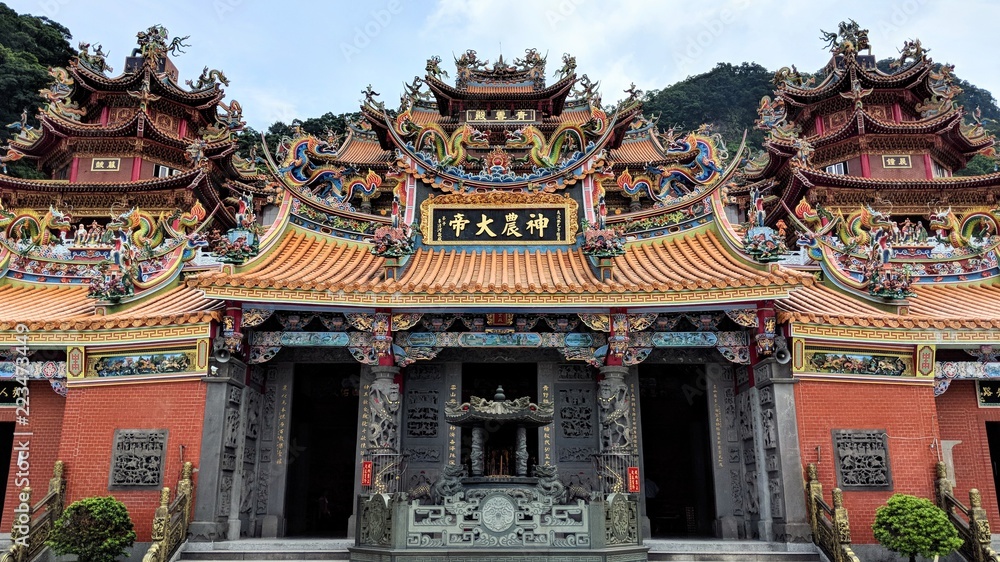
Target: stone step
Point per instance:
(305, 550)
(283, 555)
(734, 556)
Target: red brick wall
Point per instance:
(45, 415)
(907, 414)
(961, 419)
(93, 414)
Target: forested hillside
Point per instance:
(726, 96)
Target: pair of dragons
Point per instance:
(451, 150)
(856, 228)
(145, 231)
(149, 233)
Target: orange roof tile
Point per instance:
(69, 308)
(312, 262)
(578, 115)
(499, 88)
(361, 150)
(932, 307)
(638, 150)
(423, 116)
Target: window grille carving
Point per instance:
(862, 458)
(137, 458)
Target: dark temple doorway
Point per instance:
(321, 446)
(677, 452)
(6, 450)
(993, 438)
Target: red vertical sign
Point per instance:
(633, 479)
(366, 473)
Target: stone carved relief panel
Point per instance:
(576, 412)
(745, 409)
(576, 454)
(254, 400)
(270, 398)
(247, 489)
(566, 372)
(263, 475)
(862, 459)
(422, 412)
(225, 495)
(423, 454)
(576, 429)
(137, 459)
(731, 439)
(424, 433)
(232, 428)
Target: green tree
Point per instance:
(910, 526)
(726, 97)
(96, 529)
(29, 45)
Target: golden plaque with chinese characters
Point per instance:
(499, 218)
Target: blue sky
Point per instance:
(301, 59)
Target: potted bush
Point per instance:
(910, 526)
(95, 529)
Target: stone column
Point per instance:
(275, 426)
(215, 480)
(383, 405)
(726, 459)
(234, 524)
(783, 458)
(615, 407)
(476, 456)
(522, 451)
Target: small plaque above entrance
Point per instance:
(989, 394)
(499, 115)
(499, 219)
(896, 161)
(105, 164)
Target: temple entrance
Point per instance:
(993, 438)
(678, 486)
(321, 450)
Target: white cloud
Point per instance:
(286, 59)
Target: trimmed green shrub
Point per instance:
(910, 526)
(95, 529)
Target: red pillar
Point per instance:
(617, 337)
(105, 114)
(820, 128)
(928, 167)
(182, 128)
(74, 169)
(136, 168)
(382, 332)
(866, 167)
(897, 113)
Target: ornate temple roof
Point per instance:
(49, 308)
(684, 269)
(954, 307)
(338, 204)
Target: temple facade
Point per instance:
(503, 316)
